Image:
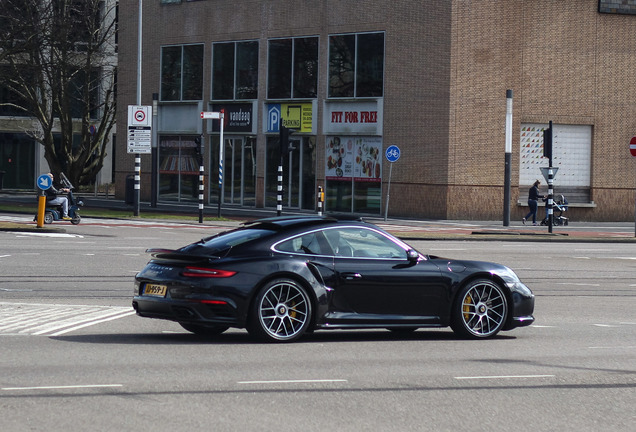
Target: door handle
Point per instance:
(351, 275)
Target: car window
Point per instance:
(305, 244)
(362, 242)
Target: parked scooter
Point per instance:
(74, 204)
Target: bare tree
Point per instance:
(57, 60)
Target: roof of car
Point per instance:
(293, 221)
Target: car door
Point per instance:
(378, 281)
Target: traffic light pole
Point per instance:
(547, 152)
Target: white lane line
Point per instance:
(63, 387)
(503, 377)
(613, 347)
(35, 234)
(293, 381)
(605, 325)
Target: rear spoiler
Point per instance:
(173, 255)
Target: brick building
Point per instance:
(353, 78)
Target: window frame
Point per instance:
(235, 70)
(182, 76)
(356, 62)
(294, 72)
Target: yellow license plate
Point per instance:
(155, 290)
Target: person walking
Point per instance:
(533, 202)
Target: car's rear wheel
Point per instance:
(202, 330)
(480, 310)
(281, 312)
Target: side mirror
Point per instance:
(412, 255)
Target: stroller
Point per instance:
(558, 208)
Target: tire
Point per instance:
(48, 218)
(76, 219)
(202, 330)
(480, 310)
(281, 312)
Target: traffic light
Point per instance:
(547, 142)
(285, 146)
(198, 149)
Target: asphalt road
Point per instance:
(73, 357)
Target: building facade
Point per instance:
(353, 78)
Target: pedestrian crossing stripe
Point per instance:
(54, 319)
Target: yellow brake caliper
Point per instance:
(468, 301)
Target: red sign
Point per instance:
(632, 146)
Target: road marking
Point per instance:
(293, 381)
(66, 387)
(613, 347)
(605, 325)
(503, 377)
(54, 319)
(35, 234)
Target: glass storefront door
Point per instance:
(239, 171)
(299, 173)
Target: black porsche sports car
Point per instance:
(282, 277)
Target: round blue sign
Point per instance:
(45, 182)
(392, 153)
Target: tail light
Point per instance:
(203, 272)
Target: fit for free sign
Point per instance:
(139, 129)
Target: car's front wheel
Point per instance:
(201, 330)
(281, 312)
(480, 310)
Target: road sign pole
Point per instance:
(137, 181)
(388, 192)
(392, 154)
(221, 145)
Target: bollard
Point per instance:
(41, 207)
(321, 200)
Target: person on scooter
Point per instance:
(52, 197)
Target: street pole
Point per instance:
(137, 155)
(221, 145)
(550, 182)
(154, 178)
(508, 158)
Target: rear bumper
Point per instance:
(185, 311)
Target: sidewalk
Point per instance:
(407, 229)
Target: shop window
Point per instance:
(356, 65)
(182, 73)
(292, 68)
(353, 172)
(178, 169)
(235, 70)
